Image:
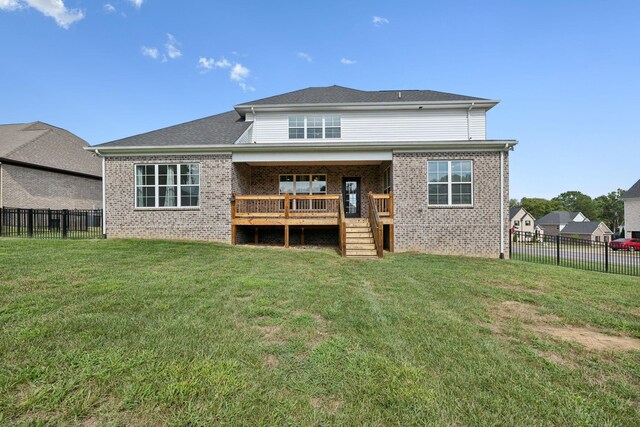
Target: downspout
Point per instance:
(255, 119)
(502, 201)
(104, 193)
(468, 120)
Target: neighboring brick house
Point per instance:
(587, 230)
(632, 211)
(554, 222)
(43, 166)
(407, 170)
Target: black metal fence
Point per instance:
(571, 252)
(51, 224)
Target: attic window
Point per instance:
(314, 127)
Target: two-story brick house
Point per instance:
(408, 170)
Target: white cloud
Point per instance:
(109, 8)
(52, 8)
(151, 52)
(246, 88)
(379, 20)
(208, 64)
(346, 61)
(136, 3)
(10, 5)
(304, 56)
(239, 73)
(172, 47)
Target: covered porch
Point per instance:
(345, 205)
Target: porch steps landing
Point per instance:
(359, 240)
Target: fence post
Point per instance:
(65, 217)
(29, 222)
(606, 257)
(1, 219)
(558, 249)
(510, 241)
(19, 214)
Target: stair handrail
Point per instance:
(342, 222)
(376, 226)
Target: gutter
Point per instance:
(479, 103)
(407, 146)
(104, 194)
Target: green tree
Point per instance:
(514, 203)
(611, 209)
(575, 201)
(539, 207)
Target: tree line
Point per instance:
(607, 208)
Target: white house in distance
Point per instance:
(632, 211)
(522, 221)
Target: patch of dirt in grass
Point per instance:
(509, 310)
(556, 359)
(327, 404)
(271, 361)
(90, 422)
(270, 334)
(590, 338)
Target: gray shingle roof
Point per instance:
(587, 227)
(223, 128)
(557, 218)
(513, 212)
(344, 95)
(49, 146)
(634, 191)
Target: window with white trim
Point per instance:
(315, 127)
(386, 180)
(296, 127)
(167, 185)
(303, 184)
(450, 182)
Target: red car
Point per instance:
(625, 245)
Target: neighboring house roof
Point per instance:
(587, 227)
(43, 145)
(344, 95)
(513, 212)
(223, 128)
(557, 218)
(634, 191)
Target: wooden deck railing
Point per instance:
(342, 229)
(376, 224)
(383, 204)
(286, 206)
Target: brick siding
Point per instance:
(473, 231)
(24, 187)
(211, 221)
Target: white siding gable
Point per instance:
(381, 126)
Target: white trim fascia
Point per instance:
(406, 146)
(484, 103)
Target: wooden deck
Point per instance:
(309, 210)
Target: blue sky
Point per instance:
(567, 72)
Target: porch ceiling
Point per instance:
(318, 163)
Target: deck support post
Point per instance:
(286, 236)
(233, 217)
(302, 236)
(256, 235)
(391, 243)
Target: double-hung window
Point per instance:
(450, 182)
(296, 127)
(167, 185)
(332, 127)
(314, 127)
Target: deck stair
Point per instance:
(359, 241)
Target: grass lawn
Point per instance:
(111, 332)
